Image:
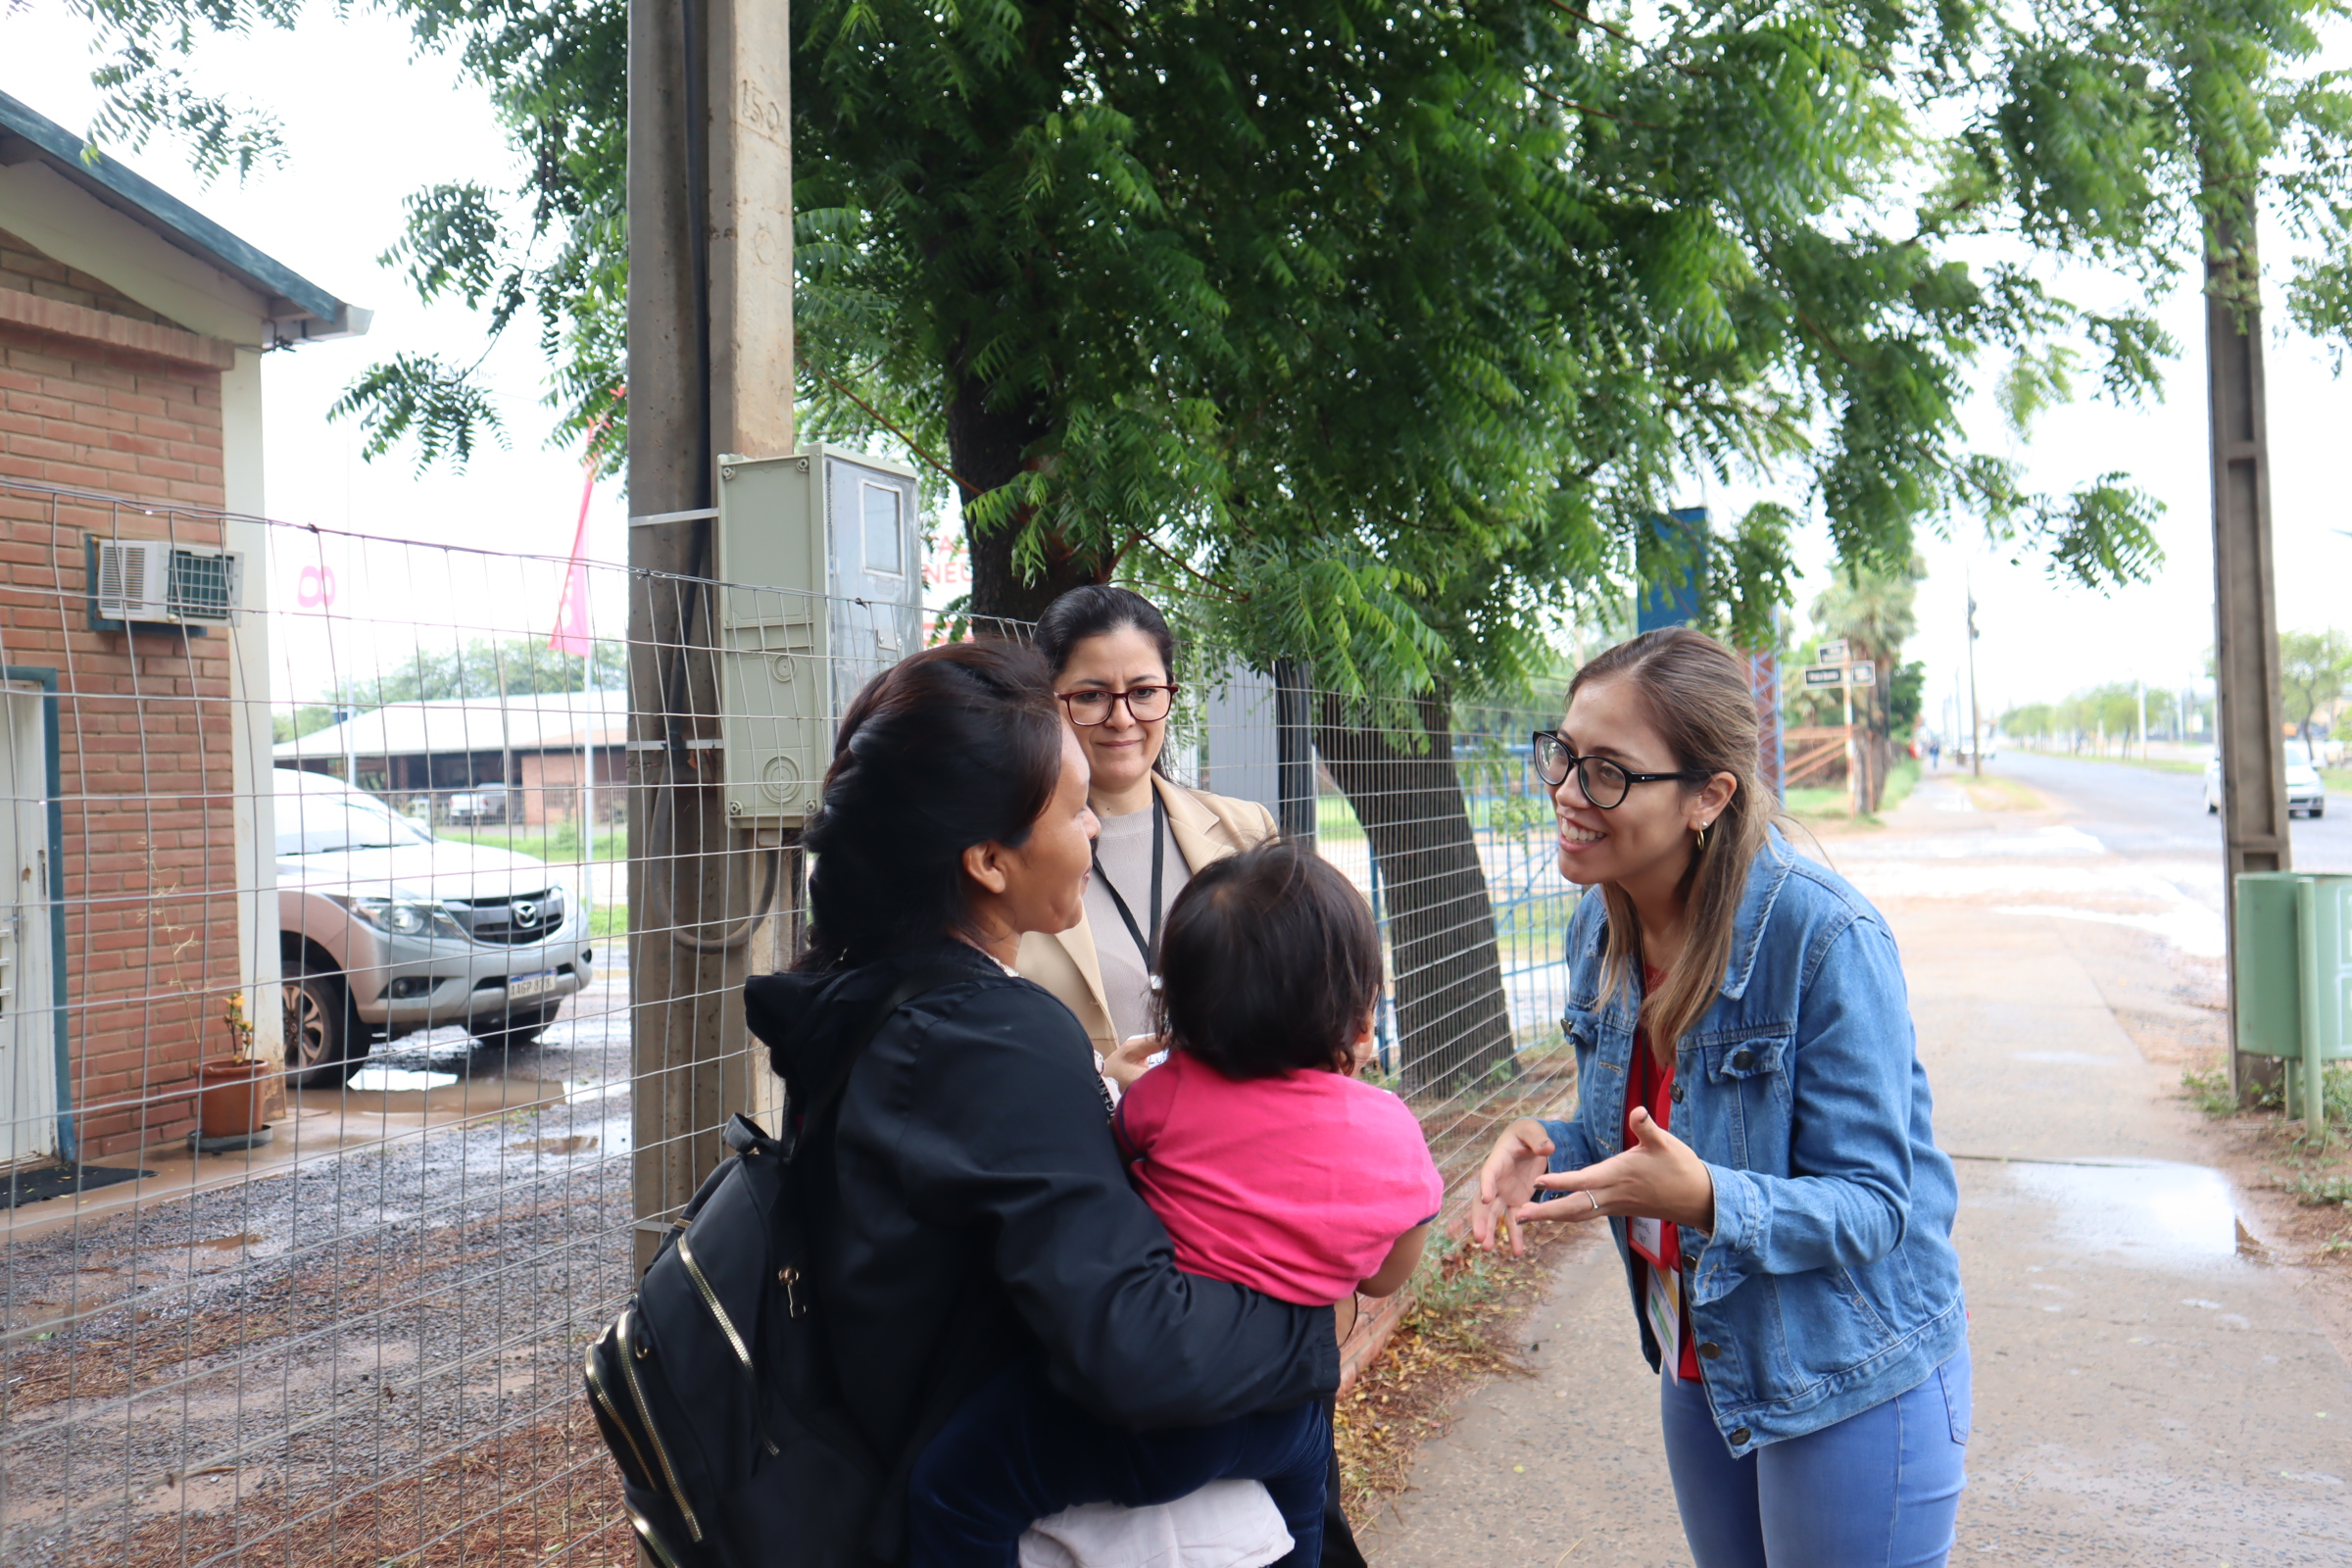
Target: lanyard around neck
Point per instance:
(1159, 855)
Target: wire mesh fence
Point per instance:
(370, 977)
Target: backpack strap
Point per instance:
(909, 986)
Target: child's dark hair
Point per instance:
(1269, 963)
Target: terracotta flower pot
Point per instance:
(228, 1097)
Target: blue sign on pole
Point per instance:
(1673, 570)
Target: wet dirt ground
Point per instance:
(2160, 1345)
(407, 1272)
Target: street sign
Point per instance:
(1832, 654)
(1864, 673)
(1825, 674)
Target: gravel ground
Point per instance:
(247, 1360)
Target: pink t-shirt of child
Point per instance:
(1297, 1186)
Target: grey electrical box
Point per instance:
(820, 577)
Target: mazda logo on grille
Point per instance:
(527, 912)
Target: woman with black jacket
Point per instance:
(981, 1211)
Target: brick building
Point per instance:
(559, 755)
(135, 800)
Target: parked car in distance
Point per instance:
(486, 802)
(384, 929)
(2306, 792)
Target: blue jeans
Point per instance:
(1017, 1451)
(1879, 1490)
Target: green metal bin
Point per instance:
(2294, 975)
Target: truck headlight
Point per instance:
(406, 918)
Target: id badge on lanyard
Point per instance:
(1661, 1289)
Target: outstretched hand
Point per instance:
(1658, 1178)
(1506, 1183)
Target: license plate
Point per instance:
(525, 986)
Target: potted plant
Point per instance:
(229, 1089)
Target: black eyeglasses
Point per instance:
(1144, 704)
(1603, 782)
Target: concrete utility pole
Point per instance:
(2250, 715)
(711, 372)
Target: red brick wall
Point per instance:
(144, 721)
(550, 785)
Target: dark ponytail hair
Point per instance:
(954, 746)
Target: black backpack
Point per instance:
(714, 1389)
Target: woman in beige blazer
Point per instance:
(1114, 660)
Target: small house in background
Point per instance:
(524, 761)
(135, 711)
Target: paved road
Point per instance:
(2140, 810)
(2153, 1386)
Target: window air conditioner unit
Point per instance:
(153, 582)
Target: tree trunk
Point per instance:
(989, 448)
(1453, 1020)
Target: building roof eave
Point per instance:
(298, 309)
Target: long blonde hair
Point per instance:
(1701, 699)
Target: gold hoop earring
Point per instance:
(1702, 834)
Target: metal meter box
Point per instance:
(820, 587)
(2295, 970)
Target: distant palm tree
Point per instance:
(1874, 612)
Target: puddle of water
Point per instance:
(381, 1080)
(2152, 1212)
(579, 1094)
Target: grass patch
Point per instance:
(2154, 765)
(1335, 820)
(1993, 793)
(2210, 1093)
(1899, 784)
(558, 843)
(1819, 801)
(2315, 1192)
(610, 919)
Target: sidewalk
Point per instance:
(2150, 1389)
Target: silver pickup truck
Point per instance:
(384, 929)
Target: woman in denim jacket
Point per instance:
(1753, 1123)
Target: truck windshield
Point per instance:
(327, 822)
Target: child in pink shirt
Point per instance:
(1271, 1165)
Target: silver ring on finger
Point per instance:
(1595, 1201)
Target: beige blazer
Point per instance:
(1207, 827)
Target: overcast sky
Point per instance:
(365, 124)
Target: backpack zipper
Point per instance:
(604, 1399)
(628, 1370)
(652, 1538)
(726, 1324)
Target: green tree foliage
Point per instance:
(517, 668)
(2098, 717)
(1374, 326)
(2032, 721)
(2315, 669)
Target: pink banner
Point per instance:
(572, 614)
